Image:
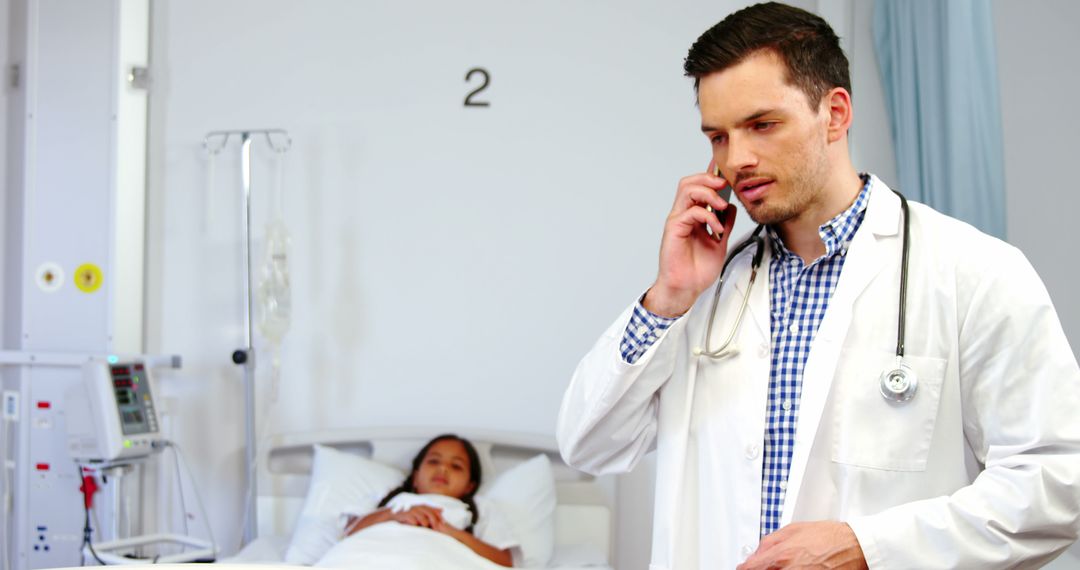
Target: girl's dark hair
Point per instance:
(474, 475)
(803, 41)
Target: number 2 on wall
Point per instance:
(469, 102)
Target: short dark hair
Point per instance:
(803, 41)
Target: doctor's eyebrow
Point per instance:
(749, 118)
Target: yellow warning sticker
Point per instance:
(88, 277)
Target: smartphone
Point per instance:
(724, 193)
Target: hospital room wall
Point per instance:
(1037, 49)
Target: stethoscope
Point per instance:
(896, 385)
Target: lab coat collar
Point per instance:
(883, 216)
(837, 232)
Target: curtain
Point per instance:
(939, 73)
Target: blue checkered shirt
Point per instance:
(798, 296)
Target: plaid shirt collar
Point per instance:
(836, 233)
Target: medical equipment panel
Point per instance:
(118, 419)
(74, 282)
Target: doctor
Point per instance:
(796, 445)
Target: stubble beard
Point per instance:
(804, 186)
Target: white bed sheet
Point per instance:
(271, 550)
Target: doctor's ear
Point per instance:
(837, 104)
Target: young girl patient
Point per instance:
(439, 494)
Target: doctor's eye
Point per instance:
(764, 126)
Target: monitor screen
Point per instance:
(134, 402)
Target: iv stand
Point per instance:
(245, 356)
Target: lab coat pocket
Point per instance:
(871, 431)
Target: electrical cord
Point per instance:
(180, 486)
(87, 530)
(198, 496)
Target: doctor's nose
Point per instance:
(740, 156)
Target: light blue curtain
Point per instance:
(939, 72)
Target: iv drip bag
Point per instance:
(275, 294)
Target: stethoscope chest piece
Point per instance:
(899, 384)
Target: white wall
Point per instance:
(1037, 50)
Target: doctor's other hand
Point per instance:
(818, 544)
(690, 258)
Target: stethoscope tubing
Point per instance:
(759, 253)
(904, 252)
(757, 240)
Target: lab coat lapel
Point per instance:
(868, 253)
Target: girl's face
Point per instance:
(444, 470)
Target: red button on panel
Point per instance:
(42, 466)
(44, 405)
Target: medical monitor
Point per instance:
(114, 415)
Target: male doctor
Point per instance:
(796, 447)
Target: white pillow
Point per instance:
(526, 495)
(338, 480)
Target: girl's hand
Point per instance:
(420, 515)
(446, 528)
(352, 525)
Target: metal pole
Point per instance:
(245, 356)
(249, 361)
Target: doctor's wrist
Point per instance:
(663, 302)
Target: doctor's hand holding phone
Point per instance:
(695, 242)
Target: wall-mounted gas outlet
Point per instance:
(11, 405)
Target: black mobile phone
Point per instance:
(724, 193)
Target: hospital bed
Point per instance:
(582, 514)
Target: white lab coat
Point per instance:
(980, 470)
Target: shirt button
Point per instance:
(642, 331)
(794, 328)
(752, 451)
(787, 406)
(747, 551)
(783, 485)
